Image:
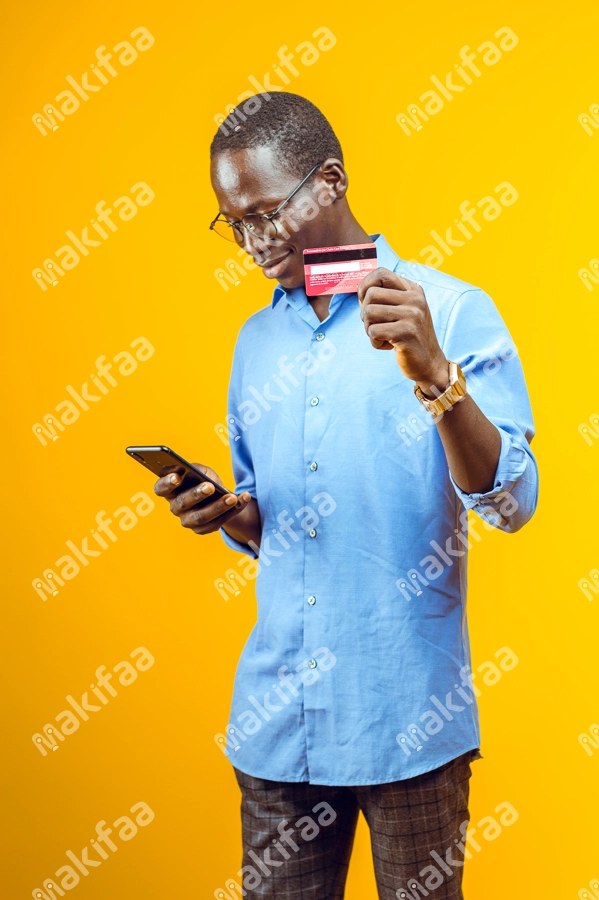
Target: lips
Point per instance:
(273, 268)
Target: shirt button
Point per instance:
(313, 466)
(312, 600)
(320, 336)
(314, 401)
(312, 532)
(312, 663)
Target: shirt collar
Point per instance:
(297, 298)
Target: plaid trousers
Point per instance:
(298, 836)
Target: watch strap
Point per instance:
(455, 391)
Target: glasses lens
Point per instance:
(256, 226)
(224, 230)
(260, 227)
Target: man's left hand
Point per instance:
(397, 317)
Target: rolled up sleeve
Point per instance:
(477, 339)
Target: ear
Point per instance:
(333, 176)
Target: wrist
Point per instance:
(445, 395)
(436, 382)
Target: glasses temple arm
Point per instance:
(293, 193)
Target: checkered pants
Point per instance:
(288, 855)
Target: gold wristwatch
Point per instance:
(455, 391)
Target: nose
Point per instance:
(255, 246)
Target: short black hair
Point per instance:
(286, 122)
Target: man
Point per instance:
(354, 689)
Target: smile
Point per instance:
(272, 269)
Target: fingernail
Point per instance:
(247, 497)
(230, 500)
(204, 489)
(174, 479)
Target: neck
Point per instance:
(349, 231)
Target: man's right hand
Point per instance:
(213, 515)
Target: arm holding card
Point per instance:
(397, 317)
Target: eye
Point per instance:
(250, 226)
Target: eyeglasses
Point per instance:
(259, 226)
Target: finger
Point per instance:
(383, 278)
(212, 516)
(386, 335)
(380, 312)
(217, 524)
(205, 470)
(208, 511)
(391, 297)
(167, 484)
(210, 473)
(186, 499)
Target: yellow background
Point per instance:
(153, 123)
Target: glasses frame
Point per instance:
(269, 217)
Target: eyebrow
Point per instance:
(268, 203)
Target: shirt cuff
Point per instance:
(513, 462)
(237, 545)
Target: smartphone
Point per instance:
(162, 460)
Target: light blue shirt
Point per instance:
(357, 670)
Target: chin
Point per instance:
(292, 280)
(290, 283)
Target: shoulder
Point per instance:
(455, 305)
(435, 281)
(449, 298)
(256, 323)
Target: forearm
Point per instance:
(472, 446)
(471, 442)
(246, 526)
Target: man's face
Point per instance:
(256, 181)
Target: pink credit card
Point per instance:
(338, 270)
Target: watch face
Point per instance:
(455, 391)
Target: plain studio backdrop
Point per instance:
(157, 277)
